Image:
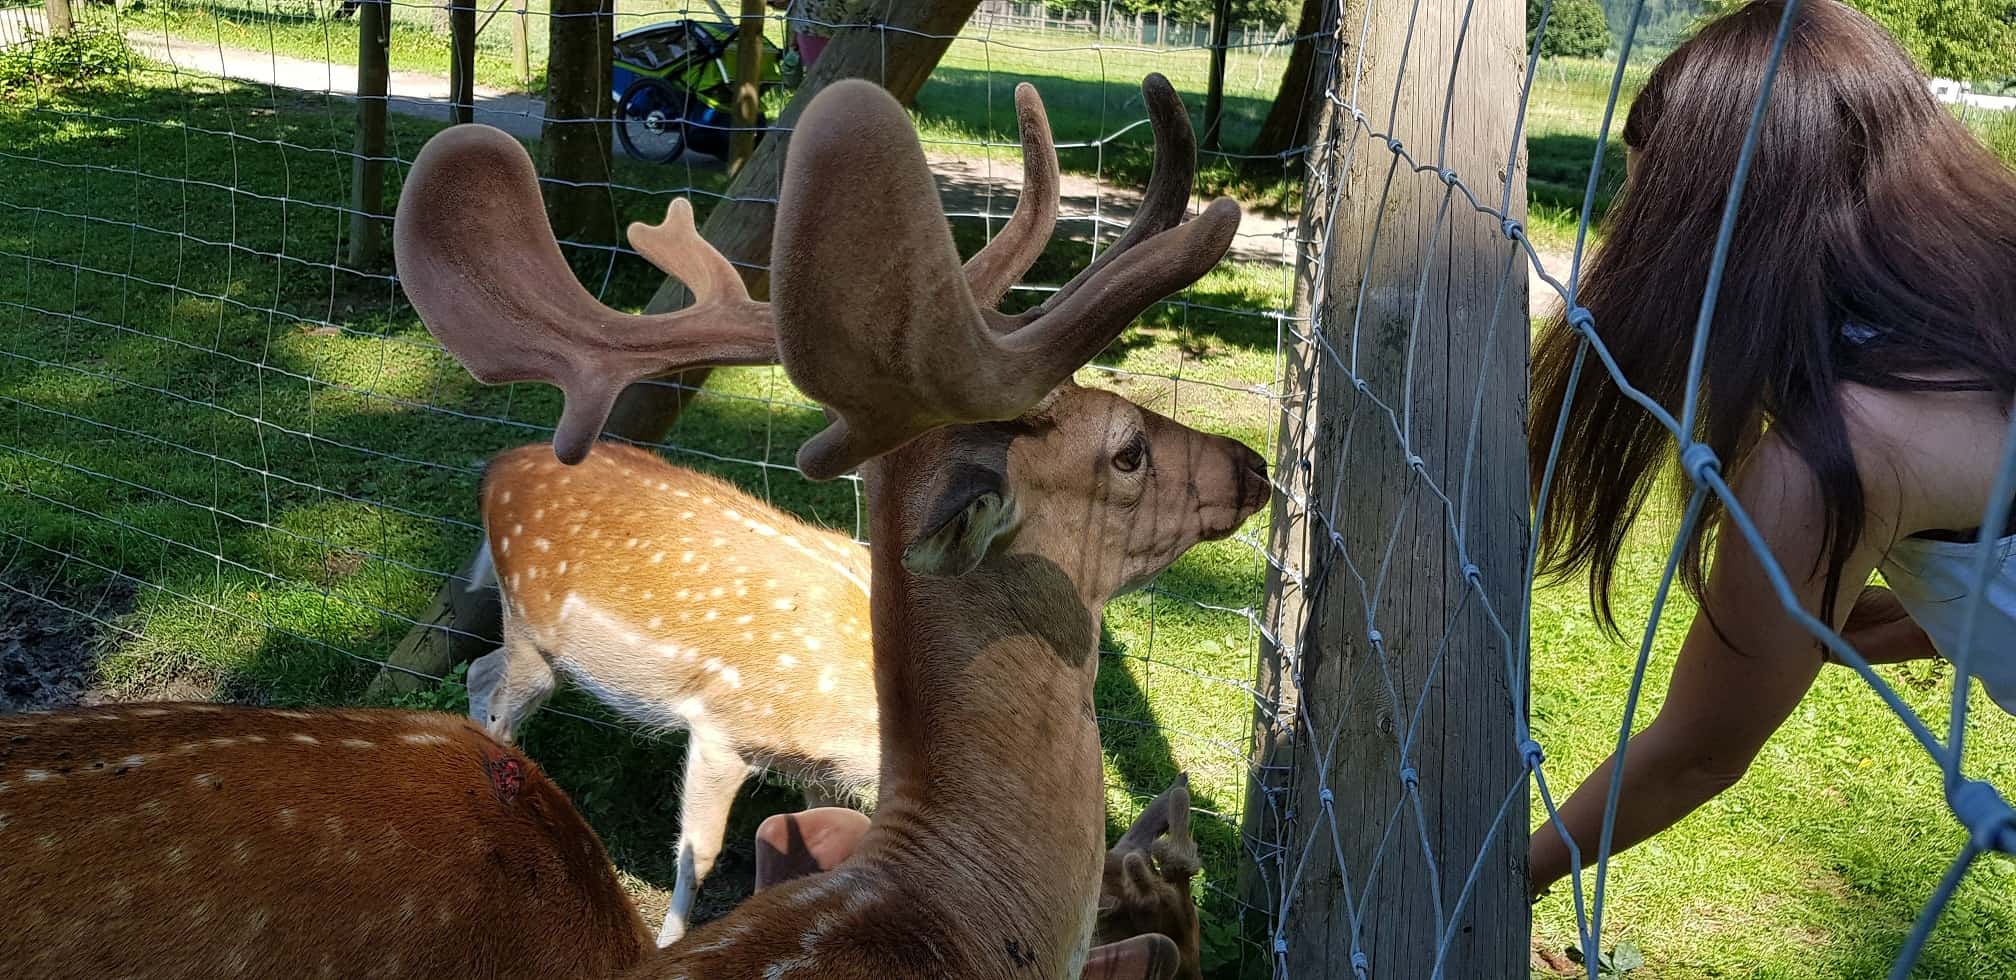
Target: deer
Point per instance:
(1006, 503)
(207, 840)
(716, 607)
(184, 839)
(680, 601)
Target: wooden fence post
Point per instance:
(748, 88)
(1404, 739)
(367, 173)
(462, 61)
(521, 45)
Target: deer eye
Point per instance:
(1129, 459)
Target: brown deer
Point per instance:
(1006, 505)
(681, 602)
(202, 840)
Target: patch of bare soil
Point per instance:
(49, 644)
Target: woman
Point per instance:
(1862, 360)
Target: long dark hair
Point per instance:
(1868, 204)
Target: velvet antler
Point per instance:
(877, 320)
(480, 263)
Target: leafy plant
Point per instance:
(1621, 959)
(86, 53)
(1575, 29)
(451, 695)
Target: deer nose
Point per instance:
(1254, 490)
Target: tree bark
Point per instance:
(748, 88)
(1299, 98)
(574, 143)
(460, 626)
(56, 16)
(1214, 92)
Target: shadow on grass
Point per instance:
(1558, 172)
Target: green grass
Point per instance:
(270, 449)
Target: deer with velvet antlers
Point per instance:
(682, 601)
(1006, 503)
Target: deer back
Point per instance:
(198, 840)
(675, 595)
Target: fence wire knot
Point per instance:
(1409, 778)
(1360, 965)
(1326, 797)
(1280, 946)
(1696, 459)
(1513, 229)
(1582, 321)
(1534, 755)
(1989, 820)
(1374, 637)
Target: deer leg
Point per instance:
(508, 684)
(714, 772)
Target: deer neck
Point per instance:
(990, 751)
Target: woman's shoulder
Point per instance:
(1928, 457)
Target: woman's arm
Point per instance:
(1724, 700)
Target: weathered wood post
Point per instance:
(367, 172)
(748, 88)
(1403, 740)
(462, 60)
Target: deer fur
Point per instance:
(202, 840)
(681, 602)
(1145, 887)
(1006, 505)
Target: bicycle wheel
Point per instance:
(652, 118)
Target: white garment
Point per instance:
(1931, 579)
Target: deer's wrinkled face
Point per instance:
(1112, 491)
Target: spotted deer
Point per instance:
(202, 840)
(681, 602)
(1005, 503)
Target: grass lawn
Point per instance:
(256, 467)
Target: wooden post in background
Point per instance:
(462, 61)
(521, 45)
(367, 172)
(1412, 692)
(748, 88)
(1214, 92)
(56, 16)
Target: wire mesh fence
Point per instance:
(236, 456)
(234, 453)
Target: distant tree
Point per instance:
(1575, 29)
(1963, 39)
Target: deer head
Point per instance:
(1146, 885)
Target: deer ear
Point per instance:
(973, 510)
(794, 845)
(1149, 956)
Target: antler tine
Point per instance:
(1167, 196)
(997, 267)
(1156, 817)
(483, 269)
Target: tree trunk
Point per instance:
(460, 626)
(56, 16)
(1295, 104)
(574, 142)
